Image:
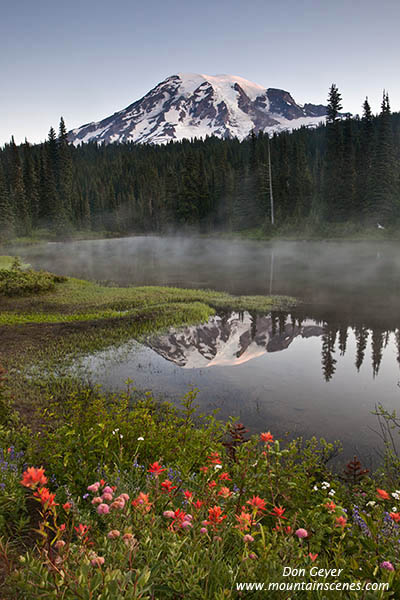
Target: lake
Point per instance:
(319, 369)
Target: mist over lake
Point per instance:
(318, 370)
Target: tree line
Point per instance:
(346, 170)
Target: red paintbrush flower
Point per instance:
(167, 486)
(257, 503)
(156, 469)
(395, 516)
(278, 511)
(214, 458)
(382, 494)
(267, 437)
(45, 497)
(341, 522)
(215, 516)
(225, 492)
(245, 521)
(33, 477)
(81, 530)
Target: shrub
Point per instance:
(16, 282)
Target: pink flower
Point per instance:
(118, 504)
(129, 540)
(301, 533)
(185, 524)
(203, 530)
(169, 514)
(248, 538)
(387, 565)
(125, 497)
(97, 561)
(108, 490)
(59, 544)
(97, 500)
(114, 533)
(94, 487)
(252, 556)
(103, 509)
(107, 497)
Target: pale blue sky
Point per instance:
(87, 59)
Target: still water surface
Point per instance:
(318, 370)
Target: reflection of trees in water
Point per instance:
(361, 334)
(335, 331)
(328, 350)
(377, 350)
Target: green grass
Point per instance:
(7, 261)
(79, 300)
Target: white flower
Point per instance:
(218, 467)
(121, 436)
(315, 488)
(325, 485)
(140, 439)
(332, 493)
(394, 509)
(396, 496)
(371, 503)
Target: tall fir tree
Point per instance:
(384, 193)
(65, 183)
(332, 188)
(17, 193)
(364, 163)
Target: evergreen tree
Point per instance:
(347, 207)
(364, 162)
(31, 183)
(64, 170)
(6, 212)
(385, 202)
(17, 193)
(57, 212)
(335, 208)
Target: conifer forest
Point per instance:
(347, 170)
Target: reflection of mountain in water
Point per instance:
(234, 339)
(229, 340)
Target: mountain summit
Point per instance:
(189, 105)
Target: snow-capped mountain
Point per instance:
(228, 341)
(189, 105)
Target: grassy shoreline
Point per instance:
(341, 232)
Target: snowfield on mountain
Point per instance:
(189, 105)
